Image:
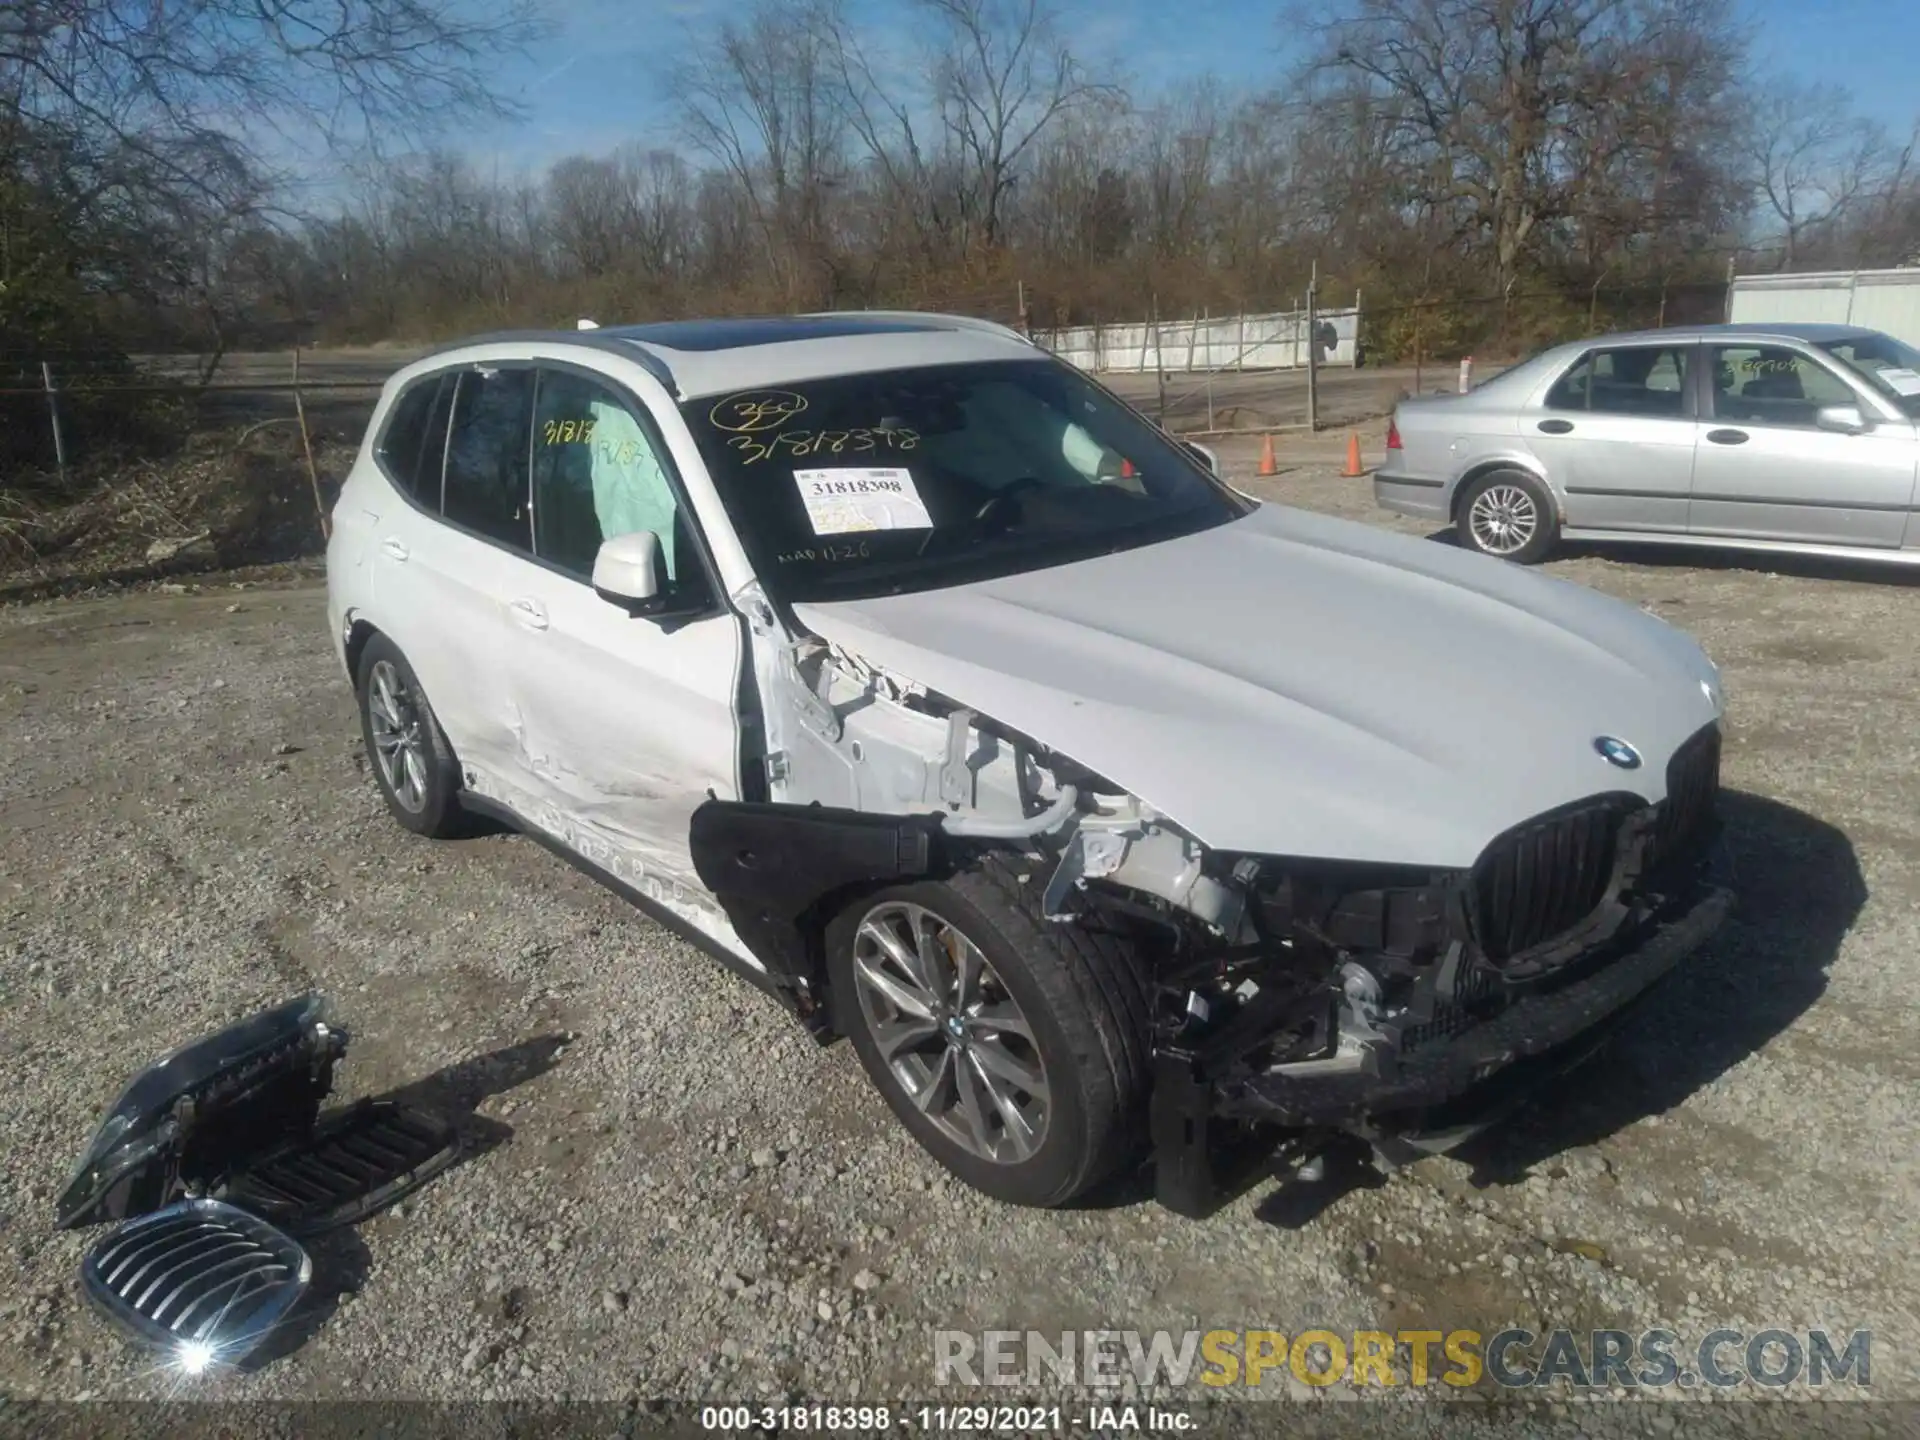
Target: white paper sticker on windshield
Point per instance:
(1904, 382)
(840, 502)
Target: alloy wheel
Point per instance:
(399, 736)
(950, 1033)
(1503, 519)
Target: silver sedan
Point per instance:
(1796, 438)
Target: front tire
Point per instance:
(412, 762)
(1509, 515)
(1015, 1049)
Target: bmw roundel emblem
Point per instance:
(1617, 752)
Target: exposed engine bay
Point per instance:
(1288, 991)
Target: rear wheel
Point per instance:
(412, 762)
(1508, 515)
(1013, 1048)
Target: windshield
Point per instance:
(906, 480)
(1888, 365)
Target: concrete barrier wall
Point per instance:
(1233, 342)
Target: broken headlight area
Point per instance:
(216, 1162)
(1396, 1004)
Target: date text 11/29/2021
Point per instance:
(941, 1419)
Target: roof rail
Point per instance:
(583, 339)
(953, 322)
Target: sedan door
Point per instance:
(1765, 470)
(1616, 434)
(625, 723)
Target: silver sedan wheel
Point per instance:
(399, 738)
(950, 1033)
(1503, 519)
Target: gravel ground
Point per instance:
(688, 1198)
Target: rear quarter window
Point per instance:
(414, 440)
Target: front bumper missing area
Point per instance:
(1456, 1084)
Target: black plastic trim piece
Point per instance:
(777, 868)
(355, 1163)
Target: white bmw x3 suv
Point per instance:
(1111, 814)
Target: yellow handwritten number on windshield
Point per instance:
(754, 411)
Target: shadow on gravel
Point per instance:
(341, 1264)
(1712, 557)
(1798, 891)
(1759, 562)
(460, 1089)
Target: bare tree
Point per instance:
(1001, 75)
(143, 131)
(1814, 161)
(1482, 101)
(758, 99)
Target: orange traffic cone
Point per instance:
(1353, 454)
(1267, 467)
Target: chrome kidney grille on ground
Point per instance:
(201, 1279)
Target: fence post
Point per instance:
(1356, 329)
(1159, 368)
(53, 414)
(1240, 355)
(1313, 358)
(306, 444)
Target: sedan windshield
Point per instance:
(1888, 365)
(907, 480)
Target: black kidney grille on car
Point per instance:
(1540, 880)
(1693, 786)
(200, 1273)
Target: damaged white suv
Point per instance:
(1108, 812)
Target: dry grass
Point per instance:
(238, 497)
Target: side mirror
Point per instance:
(626, 572)
(1205, 455)
(1842, 419)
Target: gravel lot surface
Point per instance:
(688, 1198)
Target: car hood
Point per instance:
(1292, 684)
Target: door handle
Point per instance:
(1556, 427)
(530, 613)
(1727, 437)
(394, 549)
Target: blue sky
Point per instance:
(599, 80)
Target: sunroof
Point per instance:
(732, 334)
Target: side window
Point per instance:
(486, 487)
(1647, 380)
(598, 472)
(414, 444)
(1772, 385)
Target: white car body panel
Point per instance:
(600, 731)
(1292, 684)
(1285, 684)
